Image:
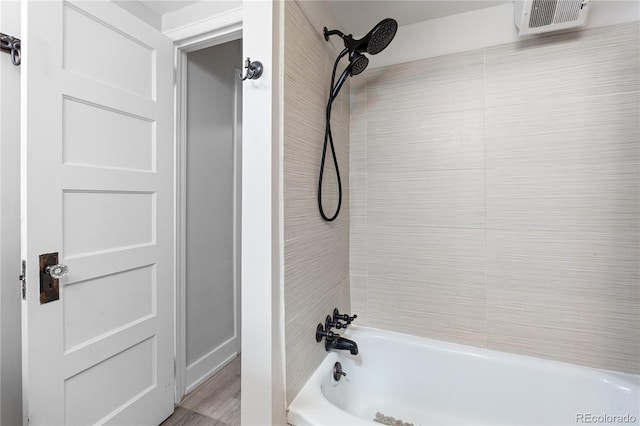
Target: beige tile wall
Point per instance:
(495, 197)
(316, 253)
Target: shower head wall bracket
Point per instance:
(328, 33)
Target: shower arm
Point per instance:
(328, 33)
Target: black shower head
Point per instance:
(374, 42)
(358, 63)
(379, 37)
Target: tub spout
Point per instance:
(341, 343)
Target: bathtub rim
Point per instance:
(480, 352)
(310, 405)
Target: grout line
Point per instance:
(366, 206)
(484, 162)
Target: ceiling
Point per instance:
(161, 7)
(359, 16)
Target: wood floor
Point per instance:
(216, 402)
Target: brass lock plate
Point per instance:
(49, 286)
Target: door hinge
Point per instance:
(11, 45)
(23, 280)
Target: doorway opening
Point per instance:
(208, 213)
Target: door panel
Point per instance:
(98, 189)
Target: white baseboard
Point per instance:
(211, 363)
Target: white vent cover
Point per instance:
(541, 16)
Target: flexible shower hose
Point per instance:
(328, 140)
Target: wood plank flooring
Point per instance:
(216, 402)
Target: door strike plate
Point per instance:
(49, 286)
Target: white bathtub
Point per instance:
(427, 382)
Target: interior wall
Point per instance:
(495, 197)
(211, 323)
(482, 28)
(316, 253)
(10, 297)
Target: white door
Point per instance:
(97, 189)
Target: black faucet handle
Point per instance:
(333, 324)
(344, 317)
(321, 332)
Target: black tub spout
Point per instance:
(342, 344)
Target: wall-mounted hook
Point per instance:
(11, 45)
(254, 69)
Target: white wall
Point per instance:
(262, 293)
(210, 299)
(482, 28)
(10, 350)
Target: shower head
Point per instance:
(379, 37)
(374, 42)
(358, 63)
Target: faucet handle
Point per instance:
(344, 317)
(321, 332)
(329, 324)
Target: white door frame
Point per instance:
(263, 375)
(220, 29)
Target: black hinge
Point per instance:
(23, 280)
(11, 45)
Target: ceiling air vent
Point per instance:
(541, 16)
